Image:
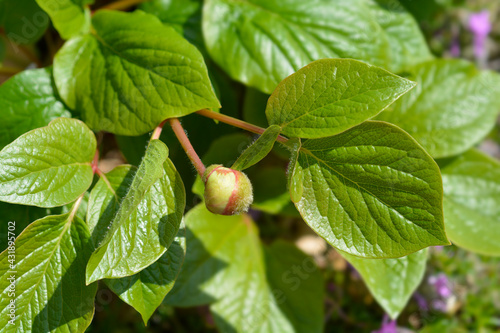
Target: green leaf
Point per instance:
(471, 185)
(453, 107)
(254, 106)
(329, 96)
(132, 73)
(50, 290)
(391, 281)
(28, 101)
(258, 149)
(274, 287)
(174, 12)
(269, 40)
(270, 193)
(146, 290)
(23, 20)
(146, 220)
(406, 43)
(371, 191)
(48, 166)
(69, 17)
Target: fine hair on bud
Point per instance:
(227, 191)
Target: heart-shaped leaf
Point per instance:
(146, 220)
(452, 108)
(371, 191)
(391, 281)
(329, 96)
(132, 73)
(28, 101)
(471, 185)
(48, 166)
(47, 264)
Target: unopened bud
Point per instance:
(227, 191)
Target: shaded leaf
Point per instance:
(371, 191)
(132, 73)
(329, 96)
(28, 101)
(51, 295)
(23, 20)
(391, 281)
(471, 185)
(273, 287)
(48, 166)
(452, 108)
(260, 42)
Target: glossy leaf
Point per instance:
(28, 101)
(258, 149)
(146, 220)
(265, 291)
(48, 166)
(146, 290)
(260, 42)
(70, 17)
(391, 281)
(51, 295)
(452, 108)
(471, 185)
(329, 96)
(371, 191)
(132, 73)
(173, 12)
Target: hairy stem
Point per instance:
(186, 144)
(237, 123)
(157, 132)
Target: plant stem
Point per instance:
(122, 4)
(157, 132)
(236, 123)
(186, 144)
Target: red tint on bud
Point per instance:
(227, 191)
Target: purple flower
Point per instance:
(480, 26)
(421, 301)
(441, 285)
(388, 326)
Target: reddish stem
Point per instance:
(95, 161)
(157, 132)
(186, 144)
(236, 123)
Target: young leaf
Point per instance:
(146, 290)
(48, 166)
(49, 273)
(329, 96)
(258, 149)
(452, 108)
(471, 185)
(28, 101)
(69, 17)
(391, 281)
(266, 290)
(132, 73)
(146, 220)
(270, 40)
(371, 191)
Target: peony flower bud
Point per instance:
(227, 191)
